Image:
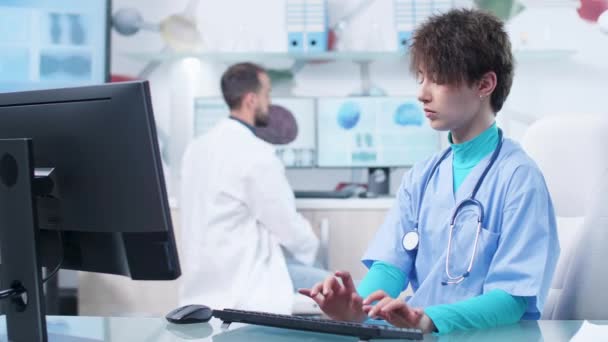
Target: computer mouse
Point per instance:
(189, 314)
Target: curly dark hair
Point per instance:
(461, 46)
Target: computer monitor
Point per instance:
(299, 152)
(373, 132)
(86, 188)
(53, 43)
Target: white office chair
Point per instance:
(572, 152)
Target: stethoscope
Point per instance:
(411, 239)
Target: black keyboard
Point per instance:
(361, 330)
(323, 194)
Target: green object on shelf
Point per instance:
(279, 75)
(504, 9)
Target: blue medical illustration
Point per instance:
(409, 114)
(62, 66)
(77, 31)
(369, 140)
(55, 28)
(349, 115)
(66, 29)
(364, 140)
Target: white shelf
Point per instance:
(283, 58)
(271, 60)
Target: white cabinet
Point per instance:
(351, 224)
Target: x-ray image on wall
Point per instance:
(65, 66)
(53, 43)
(65, 29)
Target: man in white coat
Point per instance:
(238, 215)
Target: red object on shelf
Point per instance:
(122, 78)
(332, 39)
(342, 185)
(590, 10)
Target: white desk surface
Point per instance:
(156, 329)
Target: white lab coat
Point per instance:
(237, 211)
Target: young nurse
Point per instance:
(473, 228)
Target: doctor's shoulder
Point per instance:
(258, 151)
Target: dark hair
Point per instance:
(461, 46)
(238, 80)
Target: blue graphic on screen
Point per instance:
(373, 132)
(52, 43)
(409, 114)
(348, 115)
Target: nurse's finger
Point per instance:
(330, 285)
(305, 292)
(377, 295)
(400, 309)
(379, 315)
(319, 299)
(316, 289)
(396, 305)
(398, 320)
(415, 315)
(347, 280)
(356, 302)
(395, 315)
(374, 312)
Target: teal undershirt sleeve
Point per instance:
(383, 276)
(491, 309)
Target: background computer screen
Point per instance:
(299, 152)
(53, 43)
(373, 132)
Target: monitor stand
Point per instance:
(19, 236)
(378, 181)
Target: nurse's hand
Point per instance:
(339, 301)
(397, 312)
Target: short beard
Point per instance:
(261, 118)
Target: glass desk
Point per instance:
(89, 329)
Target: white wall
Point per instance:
(544, 84)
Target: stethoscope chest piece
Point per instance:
(411, 240)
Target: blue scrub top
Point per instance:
(518, 246)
